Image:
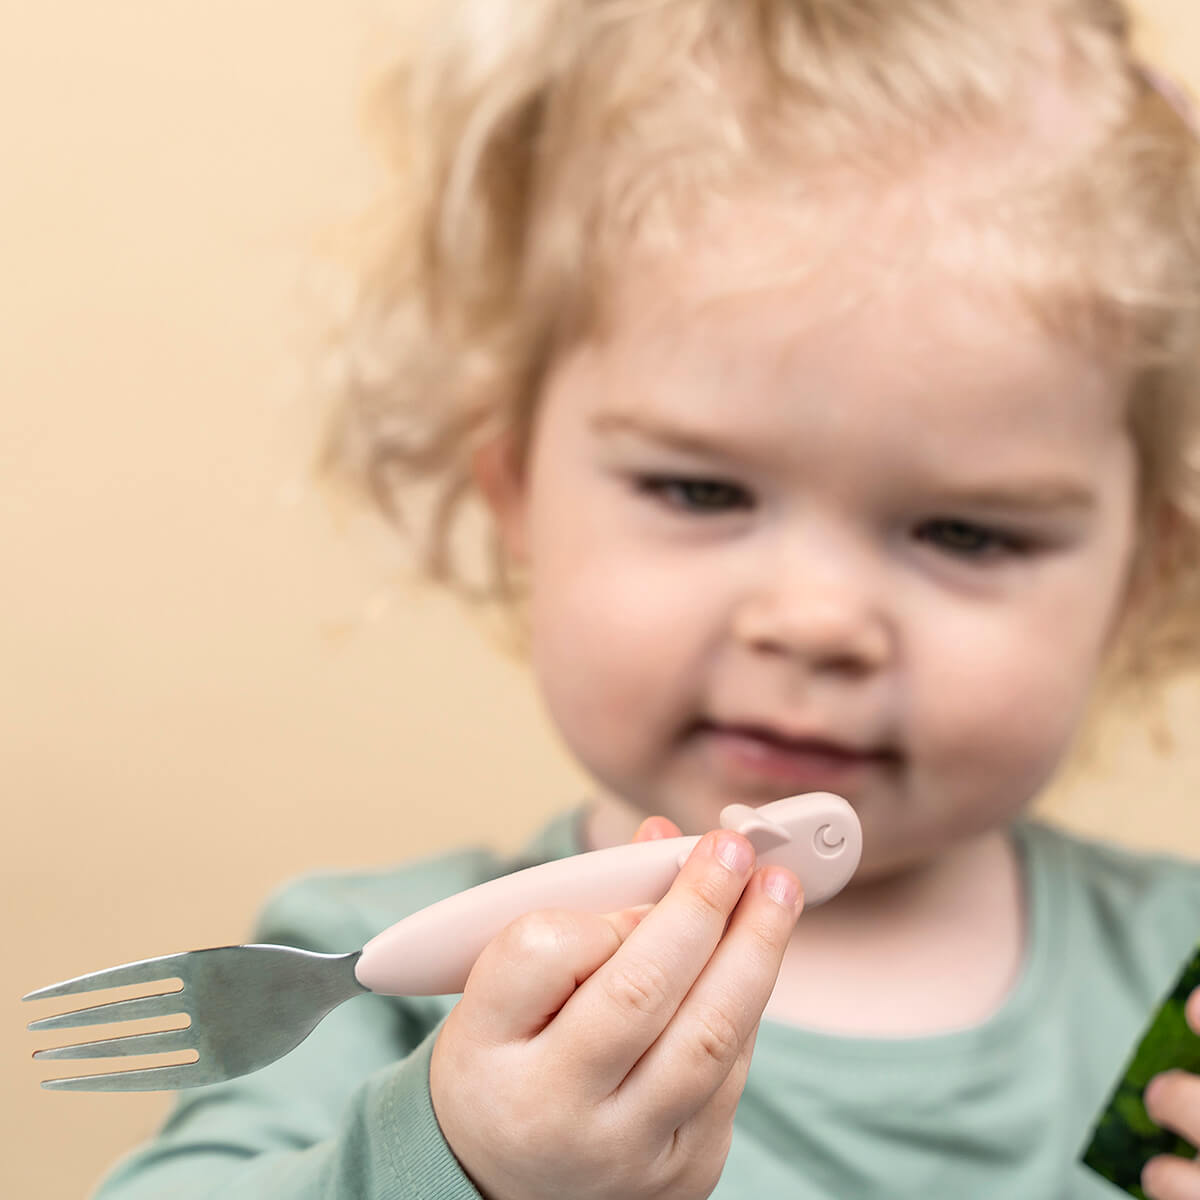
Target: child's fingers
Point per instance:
(1168, 1177)
(709, 1035)
(714, 1121)
(526, 974)
(653, 829)
(609, 1023)
(1191, 1011)
(1173, 1101)
(529, 970)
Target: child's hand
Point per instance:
(1173, 1101)
(604, 1056)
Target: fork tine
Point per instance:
(146, 1079)
(162, 1005)
(143, 971)
(162, 1042)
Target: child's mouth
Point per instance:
(798, 764)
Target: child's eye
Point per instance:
(964, 539)
(702, 496)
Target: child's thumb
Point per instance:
(532, 967)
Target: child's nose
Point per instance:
(831, 617)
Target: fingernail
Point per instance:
(783, 888)
(735, 853)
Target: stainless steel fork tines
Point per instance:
(248, 1006)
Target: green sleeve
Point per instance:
(346, 1115)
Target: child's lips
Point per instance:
(799, 764)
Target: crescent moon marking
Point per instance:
(824, 846)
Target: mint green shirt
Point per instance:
(1002, 1110)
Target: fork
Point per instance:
(250, 1005)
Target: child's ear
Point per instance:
(501, 482)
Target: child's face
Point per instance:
(903, 530)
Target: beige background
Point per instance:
(208, 684)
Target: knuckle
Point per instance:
(717, 1038)
(642, 987)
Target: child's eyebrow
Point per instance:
(1049, 493)
(693, 441)
(1040, 495)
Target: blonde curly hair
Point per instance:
(532, 142)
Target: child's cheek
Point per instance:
(614, 651)
(998, 717)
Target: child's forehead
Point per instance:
(712, 331)
(896, 265)
(767, 317)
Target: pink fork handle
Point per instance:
(432, 951)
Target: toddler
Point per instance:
(828, 371)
